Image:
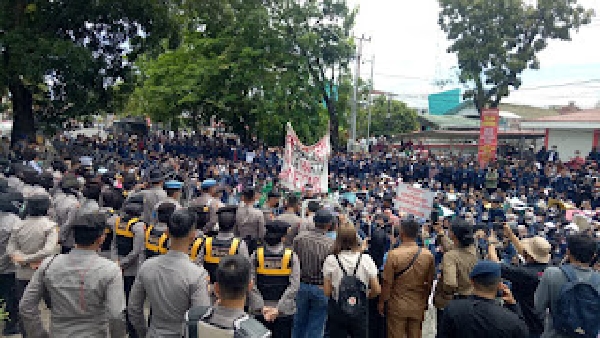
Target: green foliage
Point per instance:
(65, 56)
(388, 117)
(253, 64)
(497, 40)
(3, 313)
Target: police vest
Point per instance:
(124, 240)
(156, 241)
(273, 273)
(106, 245)
(197, 324)
(195, 248)
(215, 249)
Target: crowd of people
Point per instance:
(172, 235)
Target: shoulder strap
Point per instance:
(569, 272)
(260, 257)
(287, 259)
(246, 326)
(414, 259)
(357, 264)
(234, 246)
(340, 264)
(48, 265)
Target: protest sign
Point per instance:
(414, 201)
(488, 136)
(305, 165)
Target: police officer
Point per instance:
(35, 239)
(156, 234)
(271, 207)
(65, 201)
(223, 244)
(9, 220)
(87, 203)
(128, 243)
(173, 189)
(153, 195)
(100, 313)
(209, 198)
(162, 279)
(480, 315)
(112, 200)
(276, 279)
(290, 216)
(227, 318)
(249, 221)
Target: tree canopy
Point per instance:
(495, 41)
(388, 117)
(65, 57)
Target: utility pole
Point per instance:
(352, 139)
(370, 99)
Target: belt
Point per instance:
(307, 281)
(460, 297)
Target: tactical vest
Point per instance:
(195, 248)
(124, 240)
(215, 249)
(106, 245)
(273, 273)
(156, 241)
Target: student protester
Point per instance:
(162, 279)
(581, 252)
(63, 278)
(312, 248)
(407, 281)
(347, 259)
(276, 276)
(479, 315)
(227, 318)
(525, 278)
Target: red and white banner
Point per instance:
(305, 166)
(414, 201)
(488, 136)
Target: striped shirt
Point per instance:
(312, 247)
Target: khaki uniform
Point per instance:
(172, 284)
(66, 229)
(456, 267)
(249, 223)
(214, 204)
(151, 197)
(296, 223)
(34, 239)
(99, 314)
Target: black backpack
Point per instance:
(352, 294)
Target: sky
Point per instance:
(409, 50)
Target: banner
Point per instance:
(414, 201)
(488, 136)
(305, 165)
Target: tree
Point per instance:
(65, 56)
(495, 41)
(388, 117)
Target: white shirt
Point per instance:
(331, 269)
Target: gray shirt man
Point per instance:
(548, 292)
(132, 261)
(172, 284)
(296, 223)
(35, 239)
(8, 223)
(66, 229)
(286, 305)
(224, 236)
(98, 314)
(151, 197)
(249, 222)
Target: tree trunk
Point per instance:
(334, 124)
(22, 102)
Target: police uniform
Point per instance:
(98, 315)
(66, 231)
(213, 203)
(296, 223)
(249, 225)
(220, 322)
(152, 196)
(8, 222)
(173, 185)
(172, 284)
(106, 249)
(276, 274)
(221, 245)
(156, 237)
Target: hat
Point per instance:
(323, 216)
(277, 227)
(538, 248)
(173, 184)
(227, 209)
(209, 183)
(155, 176)
(86, 161)
(485, 269)
(102, 171)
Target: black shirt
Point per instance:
(476, 317)
(524, 281)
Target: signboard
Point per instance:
(488, 136)
(414, 201)
(305, 165)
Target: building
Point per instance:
(569, 132)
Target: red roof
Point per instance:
(589, 115)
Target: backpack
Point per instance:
(197, 324)
(352, 294)
(578, 305)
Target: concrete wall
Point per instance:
(568, 141)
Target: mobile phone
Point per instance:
(508, 284)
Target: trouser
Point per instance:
(21, 286)
(8, 288)
(340, 326)
(280, 327)
(438, 321)
(311, 312)
(128, 284)
(65, 249)
(377, 322)
(403, 327)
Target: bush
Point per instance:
(3, 313)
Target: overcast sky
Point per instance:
(410, 53)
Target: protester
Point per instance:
(64, 277)
(407, 282)
(312, 248)
(347, 260)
